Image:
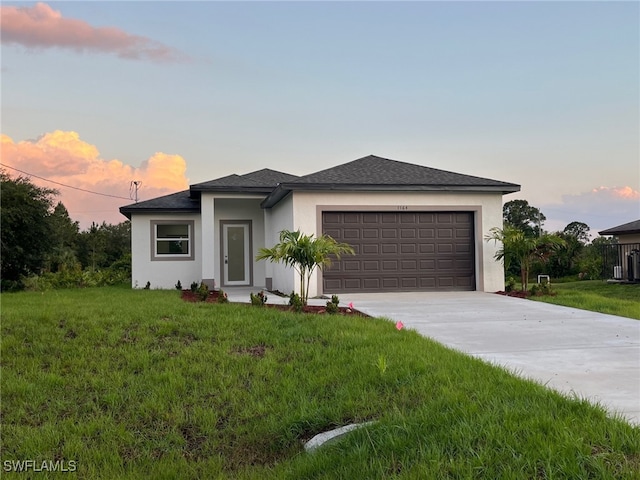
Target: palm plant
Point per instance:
(519, 248)
(304, 253)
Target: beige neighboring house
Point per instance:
(627, 264)
(413, 228)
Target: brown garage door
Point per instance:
(401, 251)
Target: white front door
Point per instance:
(236, 253)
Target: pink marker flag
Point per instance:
(351, 305)
(399, 325)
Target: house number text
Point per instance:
(403, 207)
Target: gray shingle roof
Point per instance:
(369, 173)
(264, 180)
(176, 202)
(373, 170)
(374, 173)
(627, 228)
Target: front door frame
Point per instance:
(248, 247)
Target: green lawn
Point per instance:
(138, 384)
(597, 296)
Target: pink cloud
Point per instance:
(600, 208)
(40, 26)
(64, 158)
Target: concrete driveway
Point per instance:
(591, 355)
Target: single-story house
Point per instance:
(627, 251)
(413, 228)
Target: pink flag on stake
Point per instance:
(351, 305)
(399, 325)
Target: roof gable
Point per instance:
(373, 170)
(261, 180)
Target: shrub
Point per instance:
(540, 289)
(223, 297)
(510, 284)
(179, 285)
(147, 286)
(295, 302)
(258, 299)
(203, 292)
(194, 287)
(332, 305)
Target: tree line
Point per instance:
(528, 250)
(43, 247)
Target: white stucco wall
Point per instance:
(279, 218)
(307, 210)
(162, 274)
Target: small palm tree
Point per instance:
(523, 249)
(304, 253)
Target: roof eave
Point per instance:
(127, 212)
(227, 189)
(614, 232)
(282, 190)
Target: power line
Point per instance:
(62, 184)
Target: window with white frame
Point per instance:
(172, 240)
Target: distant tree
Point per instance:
(64, 233)
(26, 230)
(578, 230)
(522, 250)
(565, 260)
(524, 217)
(101, 245)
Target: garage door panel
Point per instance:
(371, 283)
(408, 248)
(352, 284)
(350, 266)
(370, 249)
(402, 251)
(389, 248)
(390, 266)
(371, 266)
(426, 248)
(390, 283)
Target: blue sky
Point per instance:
(543, 94)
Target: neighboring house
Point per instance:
(626, 258)
(413, 228)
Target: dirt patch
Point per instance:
(254, 351)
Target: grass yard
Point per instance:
(138, 384)
(597, 296)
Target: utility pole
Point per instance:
(133, 190)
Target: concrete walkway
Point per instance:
(591, 355)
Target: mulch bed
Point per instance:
(518, 294)
(189, 296)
